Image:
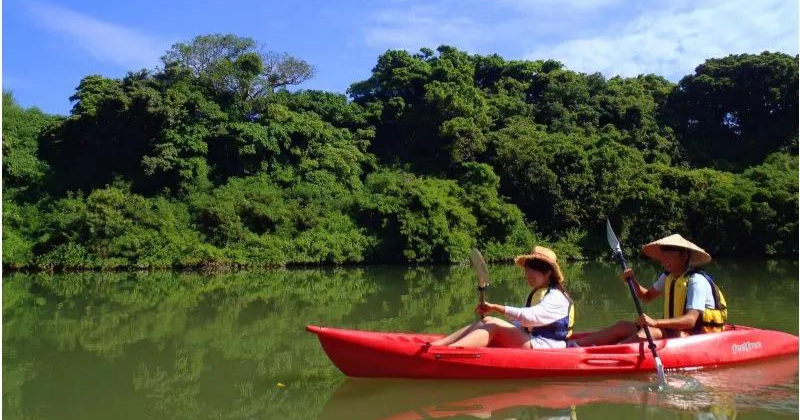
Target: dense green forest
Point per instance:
(211, 160)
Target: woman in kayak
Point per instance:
(692, 302)
(546, 321)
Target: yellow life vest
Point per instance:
(558, 330)
(712, 320)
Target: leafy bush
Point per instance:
(209, 161)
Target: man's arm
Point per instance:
(650, 294)
(698, 291)
(644, 294)
(684, 322)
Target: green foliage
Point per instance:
(113, 228)
(202, 163)
(423, 219)
(417, 219)
(734, 111)
(428, 109)
(545, 174)
(20, 221)
(255, 222)
(502, 231)
(23, 170)
(774, 208)
(139, 129)
(235, 68)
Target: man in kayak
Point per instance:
(693, 304)
(546, 321)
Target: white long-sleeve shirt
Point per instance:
(553, 307)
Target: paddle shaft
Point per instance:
(483, 276)
(481, 291)
(613, 242)
(636, 301)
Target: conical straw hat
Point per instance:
(698, 255)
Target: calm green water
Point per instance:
(232, 346)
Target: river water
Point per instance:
(232, 346)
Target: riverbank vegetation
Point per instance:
(211, 160)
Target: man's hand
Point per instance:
(646, 320)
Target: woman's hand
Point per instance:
(644, 319)
(627, 274)
(489, 308)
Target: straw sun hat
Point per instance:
(542, 254)
(698, 255)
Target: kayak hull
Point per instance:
(401, 355)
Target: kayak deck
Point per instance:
(409, 355)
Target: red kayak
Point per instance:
(399, 355)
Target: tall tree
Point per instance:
(238, 65)
(734, 111)
(22, 168)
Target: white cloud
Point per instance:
(477, 25)
(125, 47)
(563, 4)
(422, 26)
(625, 37)
(671, 42)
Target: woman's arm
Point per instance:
(489, 308)
(553, 307)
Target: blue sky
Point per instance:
(48, 46)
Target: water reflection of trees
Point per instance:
(190, 338)
(184, 345)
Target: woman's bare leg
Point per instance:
(450, 339)
(496, 332)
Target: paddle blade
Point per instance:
(613, 242)
(480, 267)
(662, 378)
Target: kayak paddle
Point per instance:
(483, 273)
(616, 248)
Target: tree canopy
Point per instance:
(210, 160)
(237, 66)
(734, 111)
